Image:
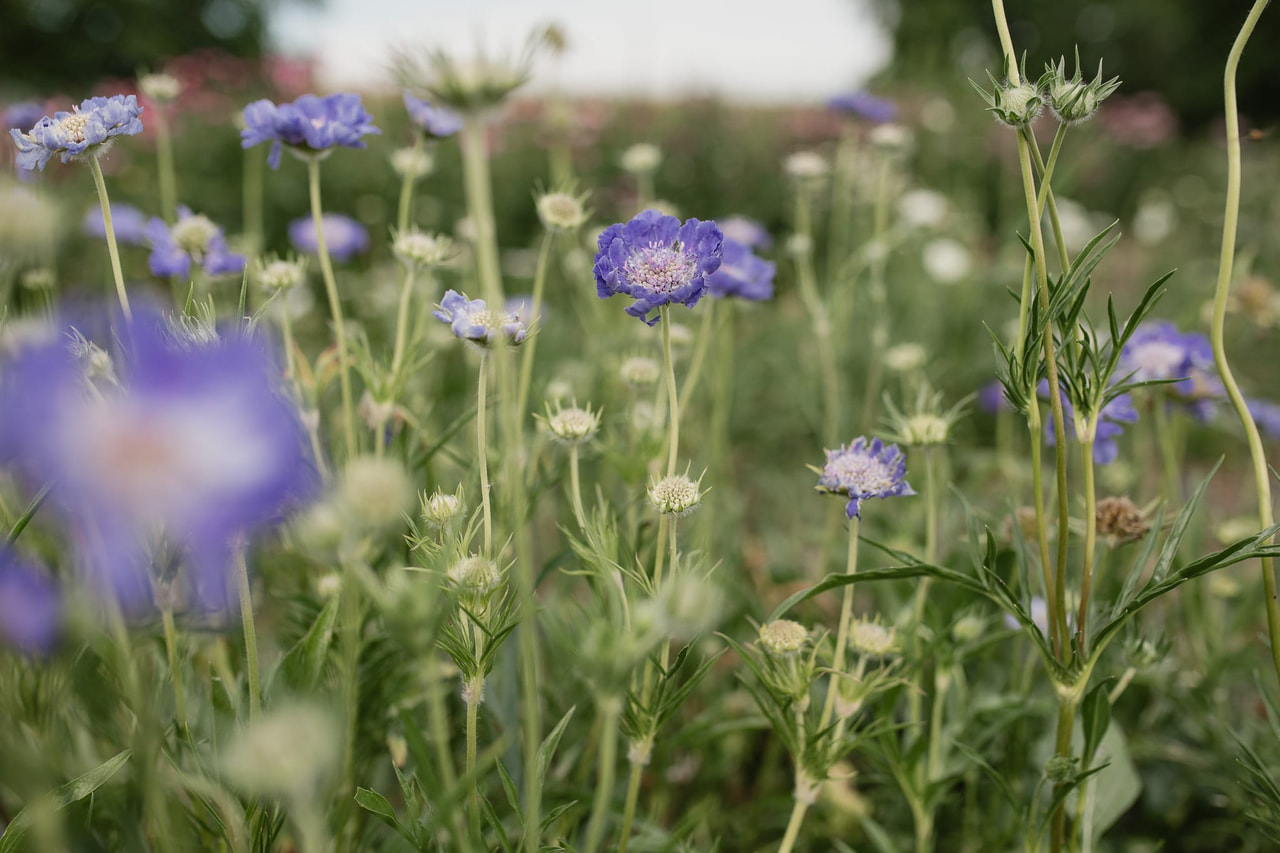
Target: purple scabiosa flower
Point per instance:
(657, 261)
(1266, 415)
(864, 469)
(192, 238)
(749, 232)
(30, 606)
(991, 398)
(1110, 424)
(1159, 350)
(129, 223)
(471, 320)
(742, 274)
(310, 125)
(435, 122)
(343, 236)
(192, 438)
(88, 130)
(23, 115)
(864, 105)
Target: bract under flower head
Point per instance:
(657, 261)
(87, 130)
(193, 237)
(310, 125)
(865, 469)
(343, 236)
(195, 440)
(435, 122)
(128, 222)
(864, 105)
(30, 606)
(742, 274)
(471, 320)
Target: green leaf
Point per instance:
(302, 665)
(1095, 715)
(61, 797)
(548, 747)
(372, 801)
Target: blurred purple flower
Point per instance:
(194, 439)
(1119, 411)
(129, 223)
(308, 125)
(23, 115)
(88, 129)
(192, 238)
(749, 232)
(436, 122)
(1159, 350)
(657, 261)
(864, 470)
(521, 305)
(864, 105)
(1266, 415)
(742, 274)
(471, 320)
(991, 398)
(30, 606)
(343, 236)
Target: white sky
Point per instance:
(756, 50)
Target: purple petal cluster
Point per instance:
(195, 440)
(1159, 350)
(23, 115)
(471, 320)
(865, 469)
(1111, 419)
(85, 130)
(991, 398)
(343, 236)
(1266, 415)
(30, 606)
(746, 231)
(309, 125)
(742, 274)
(128, 222)
(657, 261)
(193, 238)
(864, 105)
(436, 122)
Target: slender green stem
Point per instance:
(706, 332)
(112, 249)
(473, 693)
(610, 709)
(575, 488)
(251, 191)
(1262, 481)
(164, 162)
(402, 324)
(351, 619)
(335, 306)
(482, 450)
(842, 632)
(806, 279)
(875, 365)
(941, 684)
(475, 163)
(629, 809)
(673, 400)
(931, 502)
(1166, 442)
(1046, 188)
(1062, 749)
(28, 514)
(250, 633)
(406, 189)
(1090, 543)
(291, 367)
(175, 673)
(535, 311)
(1057, 619)
(793, 826)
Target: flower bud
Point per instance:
(418, 249)
(904, 358)
(640, 371)
(274, 275)
(441, 509)
(806, 166)
(1072, 99)
(643, 158)
(160, 87)
(572, 425)
(1060, 769)
(1015, 106)
(561, 211)
(412, 162)
(783, 638)
(475, 579)
(677, 495)
(1120, 521)
(373, 492)
(871, 638)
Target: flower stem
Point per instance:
(164, 163)
(1262, 482)
(575, 488)
(112, 249)
(629, 809)
(350, 618)
(335, 306)
(482, 451)
(793, 826)
(475, 164)
(175, 673)
(1090, 543)
(673, 401)
(1066, 719)
(1057, 617)
(806, 279)
(406, 189)
(473, 692)
(251, 200)
(535, 309)
(842, 632)
(402, 324)
(610, 709)
(250, 633)
(705, 333)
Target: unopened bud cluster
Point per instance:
(783, 638)
(1073, 99)
(560, 211)
(572, 425)
(440, 509)
(676, 495)
(416, 248)
(475, 579)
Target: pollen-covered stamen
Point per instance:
(660, 269)
(860, 473)
(74, 125)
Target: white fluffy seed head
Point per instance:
(640, 371)
(903, 358)
(806, 166)
(412, 162)
(783, 637)
(561, 211)
(374, 491)
(641, 158)
(160, 87)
